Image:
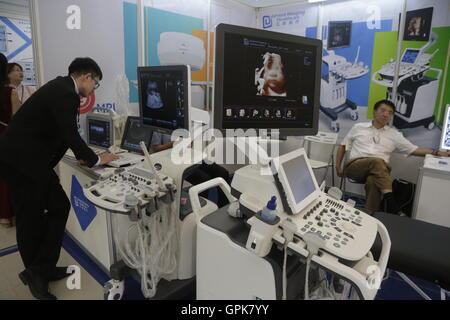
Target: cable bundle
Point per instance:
(154, 253)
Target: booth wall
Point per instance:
(81, 28)
(374, 29)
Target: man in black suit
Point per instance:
(36, 139)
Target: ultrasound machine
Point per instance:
(100, 132)
(239, 253)
(176, 242)
(416, 89)
(153, 228)
(333, 98)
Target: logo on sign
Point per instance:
(267, 22)
(84, 209)
(86, 103)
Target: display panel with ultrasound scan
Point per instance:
(135, 132)
(418, 24)
(164, 97)
(410, 55)
(445, 136)
(339, 34)
(266, 80)
(99, 130)
(297, 179)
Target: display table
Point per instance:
(96, 239)
(432, 199)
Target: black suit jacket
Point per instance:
(40, 133)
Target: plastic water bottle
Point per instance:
(269, 212)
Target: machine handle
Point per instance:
(384, 83)
(386, 246)
(439, 71)
(194, 192)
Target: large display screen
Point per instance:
(266, 80)
(163, 97)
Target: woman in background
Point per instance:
(9, 104)
(15, 78)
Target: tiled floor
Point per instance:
(7, 237)
(11, 288)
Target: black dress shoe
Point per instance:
(38, 285)
(59, 273)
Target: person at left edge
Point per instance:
(36, 139)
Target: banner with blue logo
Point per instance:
(84, 209)
(292, 19)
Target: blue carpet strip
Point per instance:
(9, 250)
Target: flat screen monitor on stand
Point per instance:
(266, 81)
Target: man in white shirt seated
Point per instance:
(371, 146)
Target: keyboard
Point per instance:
(347, 232)
(126, 159)
(97, 151)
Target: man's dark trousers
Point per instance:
(41, 209)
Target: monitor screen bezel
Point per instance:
(100, 117)
(296, 208)
(221, 31)
(445, 124)
(186, 75)
(125, 132)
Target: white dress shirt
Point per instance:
(365, 140)
(78, 93)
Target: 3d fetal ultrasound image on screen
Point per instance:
(270, 78)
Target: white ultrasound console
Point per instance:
(342, 234)
(413, 63)
(132, 187)
(346, 232)
(111, 194)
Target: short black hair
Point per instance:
(81, 66)
(11, 65)
(386, 102)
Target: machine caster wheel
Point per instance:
(113, 290)
(430, 126)
(335, 126)
(354, 115)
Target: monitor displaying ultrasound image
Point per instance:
(418, 25)
(99, 133)
(339, 34)
(135, 132)
(270, 85)
(163, 97)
